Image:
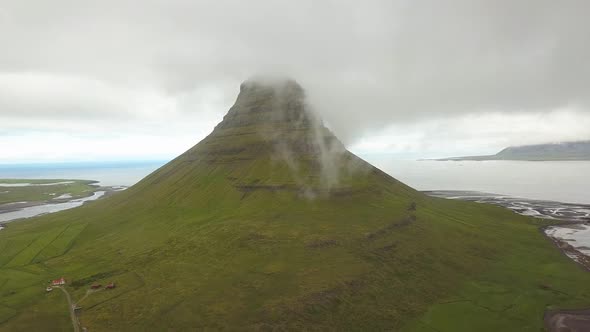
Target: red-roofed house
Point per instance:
(59, 282)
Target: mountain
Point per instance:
(269, 223)
(579, 150)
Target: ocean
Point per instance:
(562, 181)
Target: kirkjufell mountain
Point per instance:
(271, 141)
(270, 224)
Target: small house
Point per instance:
(49, 289)
(95, 286)
(110, 286)
(59, 282)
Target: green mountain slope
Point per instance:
(270, 224)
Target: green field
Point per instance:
(292, 271)
(228, 236)
(43, 190)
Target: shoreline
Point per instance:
(572, 252)
(560, 215)
(582, 260)
(16, 207)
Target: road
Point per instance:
(88, 292)
(71, 305)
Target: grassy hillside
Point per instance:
(268, 224)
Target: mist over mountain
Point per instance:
(272, 121)
(269, 223)
(427, 79)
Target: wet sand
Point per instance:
(567, 320)
(574, 213)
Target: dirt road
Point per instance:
(71, 305)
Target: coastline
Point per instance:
(15, 211)
(564, 217)
(581, 253)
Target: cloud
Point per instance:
(367, 66)
(470, 134)
(57, 96)
(59, 147)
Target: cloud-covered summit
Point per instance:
(370, 68)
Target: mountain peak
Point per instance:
(269, 101)
(271, 127)
(273, 83)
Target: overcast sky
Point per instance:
(107, 80)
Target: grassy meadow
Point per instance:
(269, 261)
(43, 190)
(244, 232)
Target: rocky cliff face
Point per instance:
(267, 103)
(278, 114)
(272, 122)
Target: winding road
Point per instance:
(71, 305)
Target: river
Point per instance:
(36, 210)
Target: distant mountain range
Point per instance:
(579, 150)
